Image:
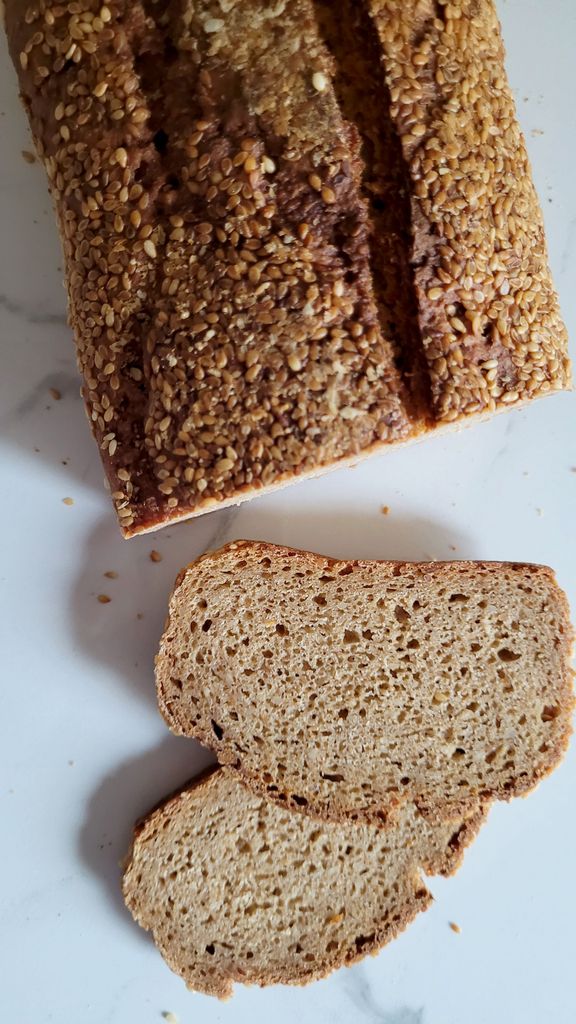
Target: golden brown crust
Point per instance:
(327, 805)
(235, 257)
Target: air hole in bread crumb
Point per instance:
(401, 614)
(281, 629)
(210, 949)
(549, 713)
(301, 801)
(343, 713)
(320, 600)
(351, 636)
(206, 625)
(217, 729)
(505, 654)
(332, 778)
(458, 598)
(363, 940)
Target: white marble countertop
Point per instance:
(84, 751)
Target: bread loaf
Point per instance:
(294, 233)
(347, 688)
(235, 888)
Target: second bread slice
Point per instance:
(348, 688)
(235, 888)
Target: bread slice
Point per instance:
(351, 687)
(236, 888)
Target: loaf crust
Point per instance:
(236, 242)
(219, 908)
(347, 688)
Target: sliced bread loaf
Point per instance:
(236, 888)
(349, 688)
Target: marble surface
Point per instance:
(84, 750)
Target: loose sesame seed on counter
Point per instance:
(284, 250)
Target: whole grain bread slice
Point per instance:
(235, 888)
(351, 687)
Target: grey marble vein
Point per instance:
(31, 316)
(357, 986)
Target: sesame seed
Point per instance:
(150, 248)
(67, 501)
(121, 156)
(111, 574)
(55, 394)
(319, 81)
(213, 25)
(294, 363)
(315, 182)
(155, 556)
(328, 195)
(104, 599)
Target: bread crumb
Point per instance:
(104, 599)
(70, 764)
(539, 512)
(452, 547)
(536, 131)
(455, 927)
(29, 157)
(170, 1017)
(155, 556)
(56, 395)
(139, 615)
(67, 501)
(111, 575)
(385, 510)
(573, 469)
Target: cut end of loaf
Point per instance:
(237, 889)
(346, 688)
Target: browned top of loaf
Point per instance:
(234, 328)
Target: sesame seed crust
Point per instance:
(489, 317)
(235, 325)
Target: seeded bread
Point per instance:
(349, 688)
(235, 888)
(293, 233)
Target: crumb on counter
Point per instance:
(56, 394)
(29, 157)
(139, 615)
(455, 927)
(155, 556)
(385, 510)
(104, 599)
(67, 501)
(170, 1017)
(110, 574)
